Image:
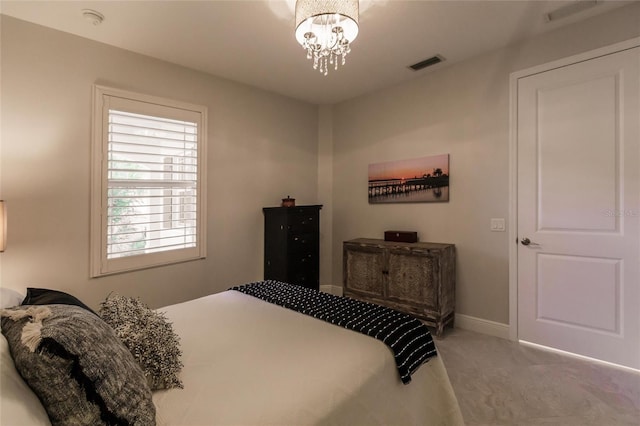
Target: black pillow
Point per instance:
(44, 296)
(77, 366)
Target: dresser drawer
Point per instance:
(303, 243)
(307, 223)
(306, 279)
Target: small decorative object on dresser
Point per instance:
(288, 202)
(401, 236)
(292, 245)
(416, 278)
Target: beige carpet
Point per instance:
(499, 382)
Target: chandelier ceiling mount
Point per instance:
(326, 29)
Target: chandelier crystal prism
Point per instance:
(326, 29)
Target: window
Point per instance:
(148, 197)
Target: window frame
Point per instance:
(139, 103)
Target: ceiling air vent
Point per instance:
(427, 63)
(571, 9)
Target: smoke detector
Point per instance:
(92, 16)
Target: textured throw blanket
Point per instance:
(409, 339)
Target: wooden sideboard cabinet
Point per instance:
(415, 278)
(292, 245)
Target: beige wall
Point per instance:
(463, 110)
(325, 191)
(262, 147)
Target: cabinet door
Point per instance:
(275, 245)
(363, 270)
(412, 278)
(303, 247)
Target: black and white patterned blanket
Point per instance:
(409, 339)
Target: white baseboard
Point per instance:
(466, 322)
(483, 326)
(582, 357)
(332, 289)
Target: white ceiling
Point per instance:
(253, 41)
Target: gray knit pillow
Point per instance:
(149, 336)
(77, 366)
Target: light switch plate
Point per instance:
(498, 224)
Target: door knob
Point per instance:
(525, 241)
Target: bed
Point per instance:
(250, 362)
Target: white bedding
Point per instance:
(248, 362)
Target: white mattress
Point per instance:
(248, 362)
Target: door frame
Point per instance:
(512, 233)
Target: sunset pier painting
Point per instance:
(417, 180)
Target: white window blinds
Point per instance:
(148, 195)
(153, 177)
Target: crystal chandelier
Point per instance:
(325, 29)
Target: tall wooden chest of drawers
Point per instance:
(292, 245)
(416, 278)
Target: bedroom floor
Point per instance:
(499, 382)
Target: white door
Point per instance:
(578, 254)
